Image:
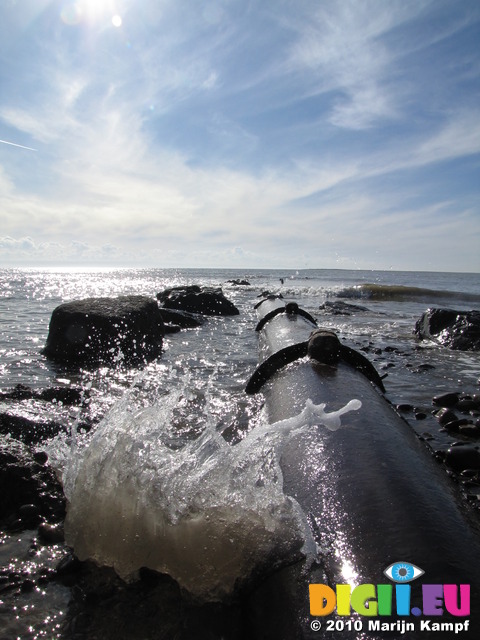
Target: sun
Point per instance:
(91, 12)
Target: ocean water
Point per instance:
(181, 434)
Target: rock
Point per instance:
(463, 457)
(181, 318)
(171, 328)
(28, 431)
(420, 415)
(239, 283)
(193, 299)
(105, 331)
(455, 425)
(444, 416)
(404, 407)
(65, 395)
(454, 329)
(29, 514)
(272, 296)
(469, 430)
(51, 533)
(467, 404)
(339, 308)
(446, 400)
(29, 490)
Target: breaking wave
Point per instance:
(403, 292)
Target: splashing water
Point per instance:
(208, 514)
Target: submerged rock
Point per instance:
(194, 299)
(454, 329)
(105, 331)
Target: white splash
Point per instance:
(208, 514)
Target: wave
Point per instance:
(402, 292)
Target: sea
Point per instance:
(185, 417)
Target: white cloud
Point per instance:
(111, 182)
(343, 47)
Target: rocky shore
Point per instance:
(32, 504)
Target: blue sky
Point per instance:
(240, 133)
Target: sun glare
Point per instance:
(91, 12)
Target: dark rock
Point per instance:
(65, 395)
(404, 407)
(26, 430)
(469, 430)
(446, 400)
(239, 283)
(454, 329)
(339, 308)
(29, 491)
(272, 296)
(69, 565)
(466, 404)
(29, 514)
(455, 425)
(171, 328)
(51, 533)
(463, 457)
(193, 299)
(41, 457)
(444, 416)
(105, 331)
(181, 318)
(27, 586)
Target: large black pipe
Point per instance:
(372, 494)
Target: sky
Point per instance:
(240, 134)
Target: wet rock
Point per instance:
(193, 299)
(462, 457)
(183, 319)
(26, 486)
(454, 329)
(26, 430)
(404, 408)
(446, 400)
(65, 395)
(96, 331)
(466, 404)
(29, 514)
(455, 425)
(51, 533)
(420, 415)
(239, 283)
(268, 295)
(27, 586)
(41, 457)
(469, 430)
(445, 416)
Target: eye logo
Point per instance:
(403, 572)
